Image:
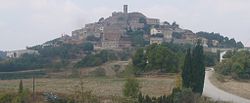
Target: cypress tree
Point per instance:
(198, 68)
(186, 72)
(20, 90)
(193, 73)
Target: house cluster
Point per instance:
(112, 31)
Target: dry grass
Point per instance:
(235, 87)
(100, 86)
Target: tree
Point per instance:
(139, 59)
(158, 57)
(193, 73)
(186, 72)
(224, 42)
(131, 88)
(237, 68)
(198, 68)
(22, 94)
(88, 46)
(239, 45)
(210, 59)
(20, 90)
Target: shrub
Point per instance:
(131, 88)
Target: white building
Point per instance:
(19, 53)
(155, 31)
(156, 40)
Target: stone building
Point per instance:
(153, 21)
(112, 36)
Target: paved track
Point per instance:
(217, 94)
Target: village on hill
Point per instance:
(124, 30)
(114, 32)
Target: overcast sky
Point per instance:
(31, 22)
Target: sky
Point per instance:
(31, 22)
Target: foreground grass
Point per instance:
(231, 86)
(103, 87)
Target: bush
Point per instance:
(131, 88)
(210, 59)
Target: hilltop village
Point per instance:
(115, 31)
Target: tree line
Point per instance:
(224, 42)
(236, 64)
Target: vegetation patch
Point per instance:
(237, 65)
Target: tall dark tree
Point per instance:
(20, 90)
(186, 72)
(193, 73)
(198, 68)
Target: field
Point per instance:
(232, 86)
(104, 81)
(100, 86)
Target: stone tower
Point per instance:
(125, 9)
